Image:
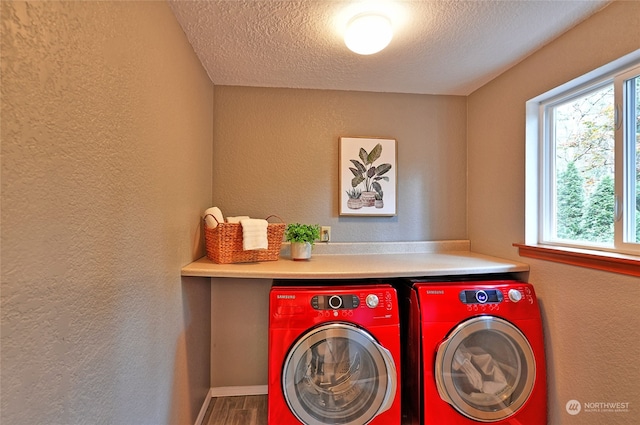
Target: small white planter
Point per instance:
(300, 251)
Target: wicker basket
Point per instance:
(224, 243)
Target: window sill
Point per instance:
(607, 261)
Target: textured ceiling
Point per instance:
(439, 46)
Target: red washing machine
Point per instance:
(475, 353)
(334, 355)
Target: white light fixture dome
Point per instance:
(368, 33)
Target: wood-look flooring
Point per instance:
(237, 410)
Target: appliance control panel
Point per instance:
(335, 302)
(481, 296)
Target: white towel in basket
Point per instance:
(254, 234)
(209, 215)
(236, 220)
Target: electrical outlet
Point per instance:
(325, 233)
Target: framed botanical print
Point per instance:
(368, 176)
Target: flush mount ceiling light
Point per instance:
(368, 33)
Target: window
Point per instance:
(583, 162)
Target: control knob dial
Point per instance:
(372, 301)
(514, 295)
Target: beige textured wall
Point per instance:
(592, 318)
(239, 331)
(276, 152)
(106, 167)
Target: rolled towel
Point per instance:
(254, 234)
(209, 215)
(237, 219)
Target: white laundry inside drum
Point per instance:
(486, 379)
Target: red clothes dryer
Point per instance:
(475, 353)
(334, 355)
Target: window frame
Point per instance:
(547, 170)
(625, 162)
(537, 175)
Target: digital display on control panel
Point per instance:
(481, 296)
(334, 302)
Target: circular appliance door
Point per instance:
(485, 369)
(338, 374)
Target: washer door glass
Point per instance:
(485, 369)
(338, 374)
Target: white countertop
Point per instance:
(375, 260)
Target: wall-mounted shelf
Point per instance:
(361, 260)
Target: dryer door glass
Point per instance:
(338, 373)
(485, 369)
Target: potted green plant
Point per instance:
(302, 238)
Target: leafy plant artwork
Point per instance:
(368, 168)
(354, 201)
(354, 193)
(367, 173)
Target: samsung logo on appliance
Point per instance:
(286, 297)
(435, 292)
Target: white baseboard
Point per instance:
(203, 409)
(233, 391)
(228, 392)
